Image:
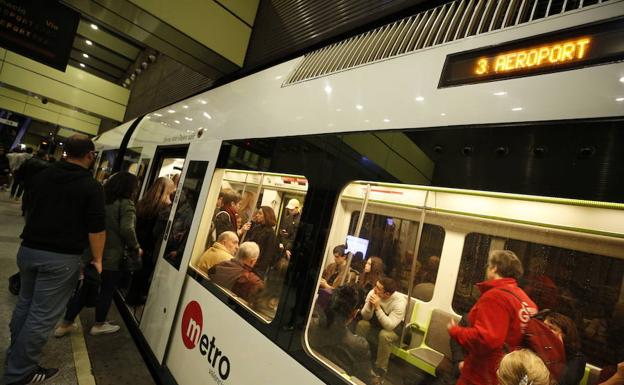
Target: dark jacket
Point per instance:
(4, 165)
(288, 230)
(237, 277)
(120, 233)
(574, 369)
(342, 347)
(25, 175)
(264, 236)
(223, 223)
(67, 204)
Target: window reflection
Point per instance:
(582, 286)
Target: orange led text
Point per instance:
(547, 55)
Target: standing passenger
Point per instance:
(290, 224)
(496, 320)
(225, 220)
(152, 208)
(120, 193)
(263, 234)
(66, 216)
(5, 169)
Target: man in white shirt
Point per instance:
(381, 316)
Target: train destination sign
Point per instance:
(41, 30)
(558, 51)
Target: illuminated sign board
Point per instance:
(558, 51)
(41, 30)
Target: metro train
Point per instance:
(333, 129)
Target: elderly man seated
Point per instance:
(238, 275)
(222, 250)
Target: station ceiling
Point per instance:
(103, 53)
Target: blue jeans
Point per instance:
(47, 282)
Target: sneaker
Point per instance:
(40, 374)
(105, 328)
(64, 329)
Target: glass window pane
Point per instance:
(179, 231)
(263, 209)
(585, 287)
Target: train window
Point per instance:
(371, 261)
(185, 210)
(586, 287)
(393, 239)
(247, 236)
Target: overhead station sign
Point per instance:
(557, 51)
(41, 30)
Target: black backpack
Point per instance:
(15, 283)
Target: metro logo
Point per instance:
(192, 323)
(191, 329)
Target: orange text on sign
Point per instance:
(558, 53)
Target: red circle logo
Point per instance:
(192, 324)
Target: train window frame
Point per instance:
(201, 242)
(343, 203)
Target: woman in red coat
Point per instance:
(497, 320)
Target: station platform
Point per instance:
(82, 359)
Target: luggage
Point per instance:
(15, 283)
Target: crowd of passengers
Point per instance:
(246, 255)
(358, 335)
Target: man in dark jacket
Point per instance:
(26, 173)
(496, 320)
(237, 274)
(290, 224)
(66, 214)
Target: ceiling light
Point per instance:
(359, 107)
(185, 106)
(203, 102)
(177, 121)
(171, 111)
(157, 114)
(386, 120)
(278, 77)
(207, 115)
(89, 42)
(419, 99)
(328, 90)
(500, 93)
(189, 119)
(367, 121)
(622, 79)
(443, 114)
(338, 109)
(82, 65)
(93, 26)
(517, 109)
(84, 55)
(619, 99)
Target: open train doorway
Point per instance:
(168, 163)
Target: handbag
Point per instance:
(131, 259)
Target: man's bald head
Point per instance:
(229, 240)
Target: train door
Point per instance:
(172, 257)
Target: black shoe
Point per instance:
(40, 374)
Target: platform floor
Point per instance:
(82, 359)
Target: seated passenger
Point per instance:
(564, 327)
(238, 275)
(334, 273)
(382, 314)
(222, 250)
(330, 336)
(522, 367)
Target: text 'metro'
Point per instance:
(557, 51)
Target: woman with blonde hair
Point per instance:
(246, 206)
(522, 367)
